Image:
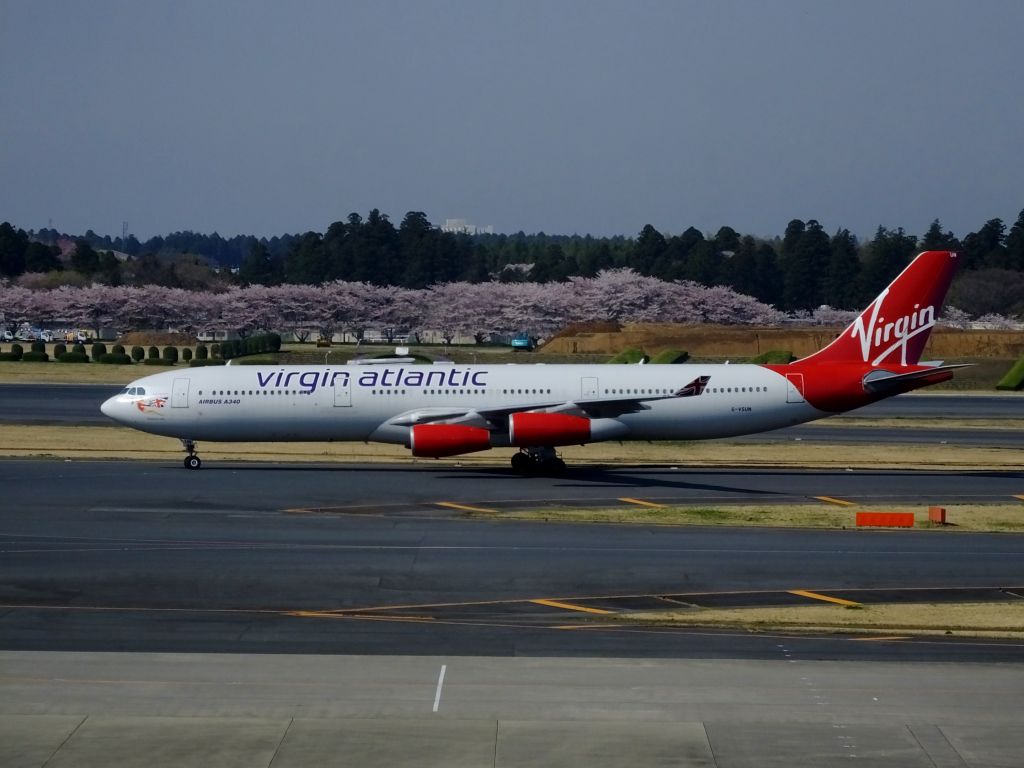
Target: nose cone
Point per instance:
(109, 408)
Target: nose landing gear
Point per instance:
(538, 461)
(192, 461)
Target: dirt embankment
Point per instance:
(718, 341)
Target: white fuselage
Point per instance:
(368, 402)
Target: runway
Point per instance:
(289, 615)
(250, 558)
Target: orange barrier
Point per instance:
(886, 519)
(937, 515)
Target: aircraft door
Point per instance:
(589, 389)
(794, 388)
(179, 394)
(342, 392)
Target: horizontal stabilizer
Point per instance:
(884, 382)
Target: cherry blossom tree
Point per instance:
(477, 309)
(298, 307)
(345, 305)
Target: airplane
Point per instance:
(445, 410)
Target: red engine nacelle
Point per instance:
(535, 429)
(437, 440)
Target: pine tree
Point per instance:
(839, 287)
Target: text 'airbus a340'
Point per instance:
(446, 410)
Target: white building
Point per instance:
(463, 227)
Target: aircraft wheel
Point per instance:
(553, 467)
(522, 463)
(192, 462)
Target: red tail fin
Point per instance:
(895, 327)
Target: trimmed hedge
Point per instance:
(670, 357)
(98, 349)
(774, 357)
(1014, 378)
(118, 349)
(14, 355)
(197, 363)
(157, 361)
(39, 346)
(113, 358)
(171, 354)
(153, 354)
(254, 345)
(138, 354)
(59, 349)
(78, 349)
(35, 357)
(202, 353)
(186, 354)
(629, 356)
(73, 357)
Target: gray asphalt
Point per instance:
(69, 404)
(139, 601)
(146, 557)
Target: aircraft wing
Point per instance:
(491, 418)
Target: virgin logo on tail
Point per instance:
(900, 331)
(895, 326)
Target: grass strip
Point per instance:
(961, 517)
(988, 619)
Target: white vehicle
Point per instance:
(46, 336)
(447, 410)
(6, 336)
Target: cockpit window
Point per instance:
(140, 390)
(133, 391)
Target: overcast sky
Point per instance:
(562, 116)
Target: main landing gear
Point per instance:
(538, 461)
(191, 461)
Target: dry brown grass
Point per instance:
(741, 342)
(996, 619)
(64, 373)
(960, 517)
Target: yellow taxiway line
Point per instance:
(831, 500)
(570, 606)
(818, 596)
(642, 503)
(465, 507)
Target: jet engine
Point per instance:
(525, 429)
(437, 440)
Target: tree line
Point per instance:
(804, 268)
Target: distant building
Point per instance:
(463, 227)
